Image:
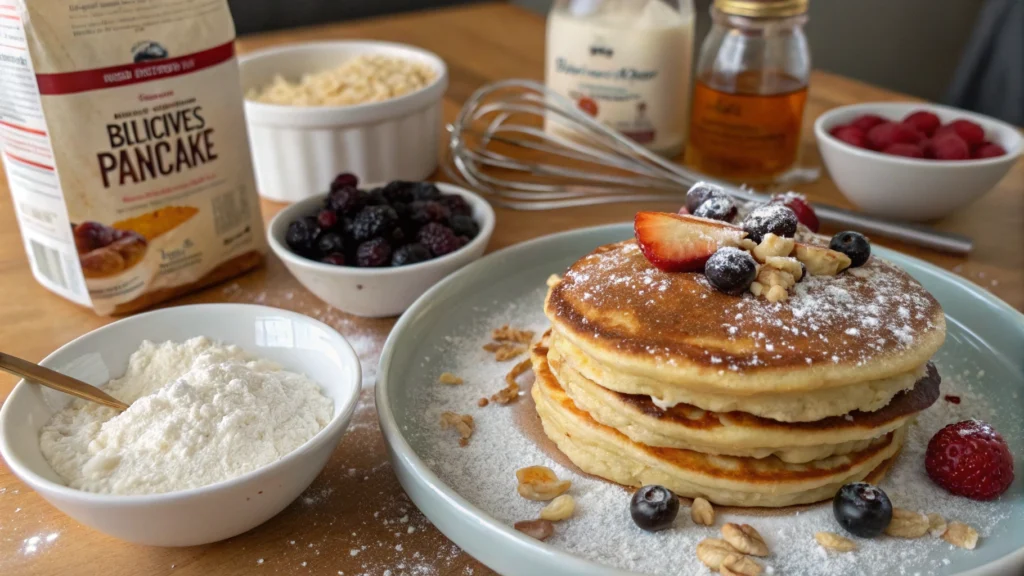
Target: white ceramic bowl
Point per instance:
(297, 150)
(376, 292)
(910, 188)
(209, 513)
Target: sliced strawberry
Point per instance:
(798, 204)
(682, 243)
(970, 459)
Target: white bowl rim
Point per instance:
(821, 132)
(339, 419)
(284, 253)
(440, 82)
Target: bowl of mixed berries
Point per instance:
(372, 250)
(914, 161)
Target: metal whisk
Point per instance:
(498, 145)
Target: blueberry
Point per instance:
(862, 509)
(731, 270)
(700, 193)
(302, 234)
(776, 219)
(717, 208)
(853, 244)
(373, 221)
(654, 507)
(376, 252)
(344, 180)
(464, 226)
(330, 242)
(410, 254)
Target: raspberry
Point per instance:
(867, 122)
(947, 146)
(346, 201)
(883, 135)
(422, 212)
(327, 218)
(923, 121)
(373, 221)
(852, 135)
(438, 239)
(970, 132)
(798, 204)
(988, 150)
(464, 226)
(410, 254)
(908, 150)
(457, 204)
(970, 459)
(344, 180)
(373, 253)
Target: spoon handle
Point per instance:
(58, 381)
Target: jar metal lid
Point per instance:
(762, 8)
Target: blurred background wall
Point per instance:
(911, 46)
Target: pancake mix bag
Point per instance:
(124, 141)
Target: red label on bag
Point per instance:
(135, 73)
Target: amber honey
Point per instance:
(748, 131)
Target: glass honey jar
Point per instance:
(749, 92)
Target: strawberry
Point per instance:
(923, 121)
(851, 135)
(798, 204)
(867, 122)
(988, 150)
(968, 131)
(946, 146)
(970, 459)
(682, 243)
(908, 150)
(883, 135)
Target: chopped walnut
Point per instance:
(961, 535)
(776, 294)
(509, 334)
(463, 424)
(772, 245)
(482, 402)
(554, 280)
(540, 483)
(511, 392)
(821, 261)
(540, 529)
(449, 378)
(504, 351)
(560, 508)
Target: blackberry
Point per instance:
(423, 211)
(327, 218)
(373, 221)
(439, 239)
(776, 219)
(398, 237)
(700, 193)
(457, 204)
(346, 201)
(302, 234)
(344, 180)
(425, 191)
(398, 191)
(717, 208)
(375, 197)
(731, 270)
(410, 254)
(330, 242)
(853, 244)
(373, 253)
(337, 259)
(464, 226)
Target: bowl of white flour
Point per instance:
(234, 410)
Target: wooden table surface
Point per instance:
(355, 519)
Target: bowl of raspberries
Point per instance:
(914, 161)
(372, 250)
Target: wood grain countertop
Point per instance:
(355, 519)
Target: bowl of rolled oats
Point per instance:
(317, 109)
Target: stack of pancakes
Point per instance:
(648, 377)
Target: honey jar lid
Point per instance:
(762, 8)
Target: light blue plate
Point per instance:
(983, 332)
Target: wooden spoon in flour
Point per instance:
(58, 381)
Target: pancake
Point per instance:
(738, 433)
(766, 482)
(674, 331)
(807, 406)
